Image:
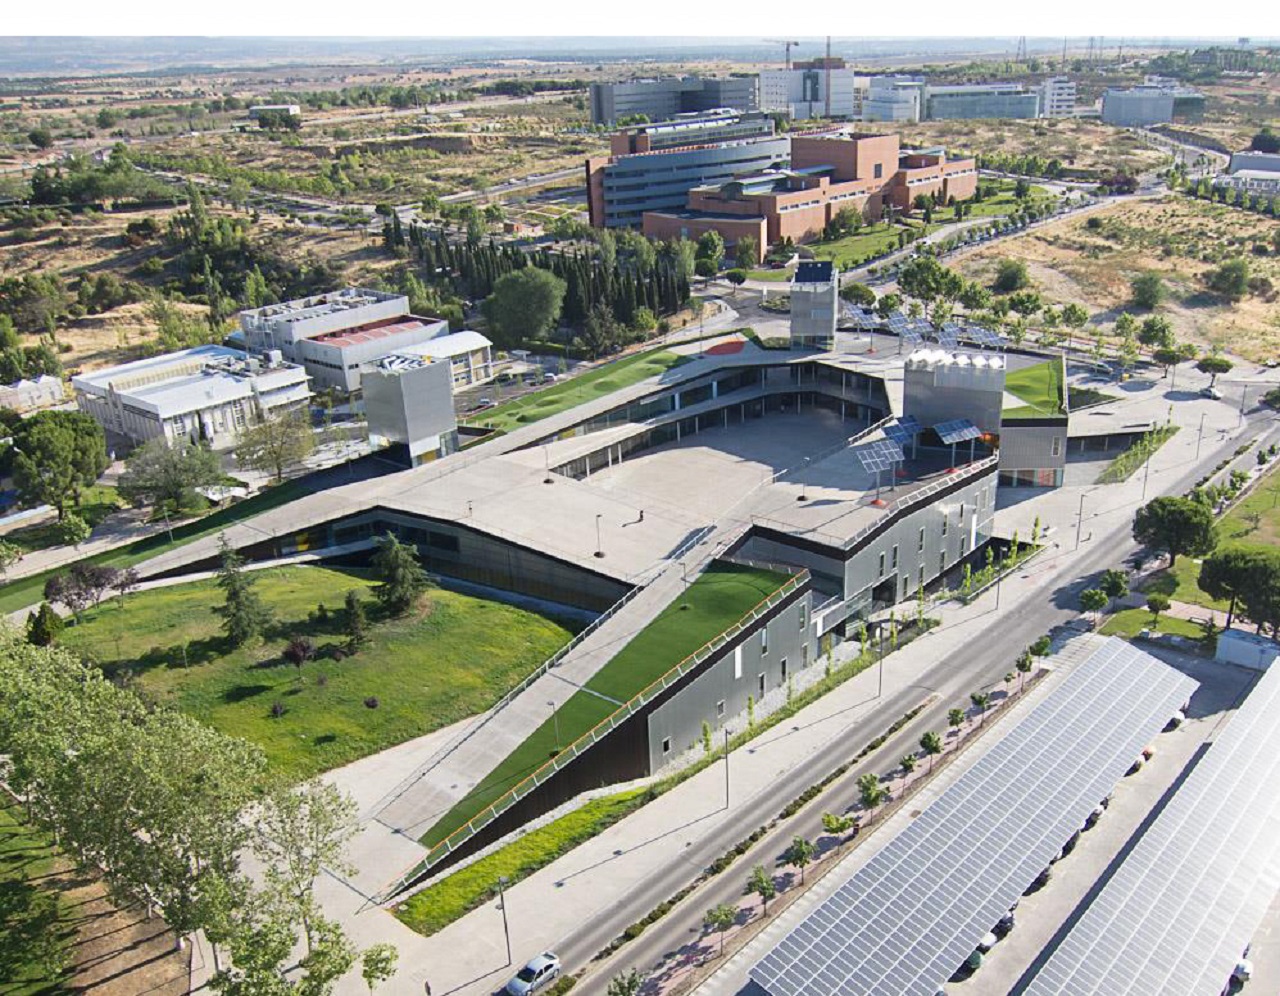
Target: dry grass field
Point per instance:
(1177, 237)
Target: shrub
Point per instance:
(371, 702)
(277, 709)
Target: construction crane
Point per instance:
(787, 45)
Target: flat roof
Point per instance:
(357, 337)
(909, 917)
(155, 365)
(303, 308)
(1177, 915)
(447, 346)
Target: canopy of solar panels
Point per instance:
(1177, 915)
(956, 430)
(904, 922)
(879, 455)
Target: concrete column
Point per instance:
(715, 389)
(676, 400)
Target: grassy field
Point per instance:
(449, 660)
(772, 276)
(577, 390)
(1129, 622)
(871, 240)
(96, 504)
(1040, 388)
(1235, 530)
(717, 599)
(437, 906)
(35, 931)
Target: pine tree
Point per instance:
(44, 626)
(244, 617)
(357, 621)
(402, 578)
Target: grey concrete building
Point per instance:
(666, 97)
(408, 400)
(939, 385)
(815, 304)
(980, 100)
(1151, 104)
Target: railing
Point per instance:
(594, 735)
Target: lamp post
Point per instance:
(502, 905)
(599, 546)
(880, 663)
(555, 716)
(1146, 474)
(1200, 437)
(726, 768)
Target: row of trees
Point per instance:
(156, 801)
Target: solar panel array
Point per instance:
(956, 430)
(986, 337)
(904, 430)
(948, 338)
(861, 317)
(880, 455)
(906, 920)
(912, 338)
(1177, 914)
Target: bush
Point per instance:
(277, 709)
(1011, 275)
(1148, 290)
(372, 702)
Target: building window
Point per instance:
(1056, 449)
(879, 171)
(895, 557)
(920, 542)
(921, 582)
(942, 562)
(761, 680)
(720, 708)
(905, 582)
(882, 564)
(764, 640)
(784, 669)
(666, 746)
(803, 613)
(946, 522)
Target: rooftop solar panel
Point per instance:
(912, 338)
(879, 455)
(1177, 914)
(956, 430)
(948, 339)
(904, 922)
(900, 434)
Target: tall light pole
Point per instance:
(599, 546)
(726, 768)
(880, 663)
(555, 715)
(1145, 475)
(1200, 438)
(502, 905)
(1080, 519)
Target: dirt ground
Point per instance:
(1180, 239)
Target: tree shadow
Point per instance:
(242, 692)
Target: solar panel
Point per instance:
(912, 338)
(948, 339)
(903, 923)
(985, 337)
(956, 430)
(1177, 914)
(900, 434)
(879, 455)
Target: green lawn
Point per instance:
(1039, 386)
(1235, 530)
(871, 240)
(27, 591)
(434, 667)
(711, 604)
(577, 390)
(96, 503)
(1129, 622)
(770, 275)
(35, 930)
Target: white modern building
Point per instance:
(1155, 102)
(408, 400)
(801, 92)
(1260, 162)
(334, 360)
(894, 98)
(470, 356)
(26, 395)
(1058, 97)
(209, 393)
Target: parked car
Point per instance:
(536, 975)
(1211, 392)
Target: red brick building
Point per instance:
(829, 172)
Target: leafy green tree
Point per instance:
(57, 455)
(1147, 290)
(736, 277)
(922, 278)
(720, 918)
(10, 554)
(908, 764)
(157, 472)
(931, 744)
(1023, 666)
(524, 304)
(1230, 280)
(378, 964)
(1176, 526)
(1011, 275)
(629, 983)
(711, 247)
(244, 616)
(276, 444)
(762, 884)
(799, 854)
(355, 621)
(1156, 332)
(401, 576)
(870, 793)
(1093, 600)
(72, 530)
(838, 824)
(981, 700)
(1114, 584)
(44, 626)
(747, 253)
(955, 718)
(1227, 575)
(1213, 366)
(860, 294)
(1074, 317)
(41, 138)
(1157, 603)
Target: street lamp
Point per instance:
(555, 716)
(599, 546)
(502, 905)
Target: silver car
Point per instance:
(539, 973)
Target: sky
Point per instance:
(764, 18)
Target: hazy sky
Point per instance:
(764, 18)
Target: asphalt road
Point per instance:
(950, 680)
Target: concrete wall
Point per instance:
(1033, 452)
(814, 311)
(934, 393)
(411, 406)
(782, 646)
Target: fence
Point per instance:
(594, 735)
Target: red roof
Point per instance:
(353, 337)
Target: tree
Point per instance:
(861, 294)
(524, 304)
(711, 247)
(799, 854)
(1156, 332)
(1023, 666)
(1230, 280)
(870, 793)
(719, 919)
(629, 983)
(1176, 526)
(762, 884)
(157, 472)
(1157, 603)
(276, 444)
(299, 650)
(1227, 575)
(1011, 275)
(1148, 290)
(1265, 140)
(1074, 318)
(955, 718)
(41, 138)
(736, 277)
(1093, 600)
(44, 626)
(888, 304)
(378, 964)
(1213, 366)
(56, 455)
(300, 833)
(981, 700)
(838, 824)
(931, 744)
(244, 617)
(747, 253)
(1021, 188)
(356, 621)
(10, 554)
(922, 278)
(402, 578)
(908, 764)
(72, 530)
(1114, 584)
